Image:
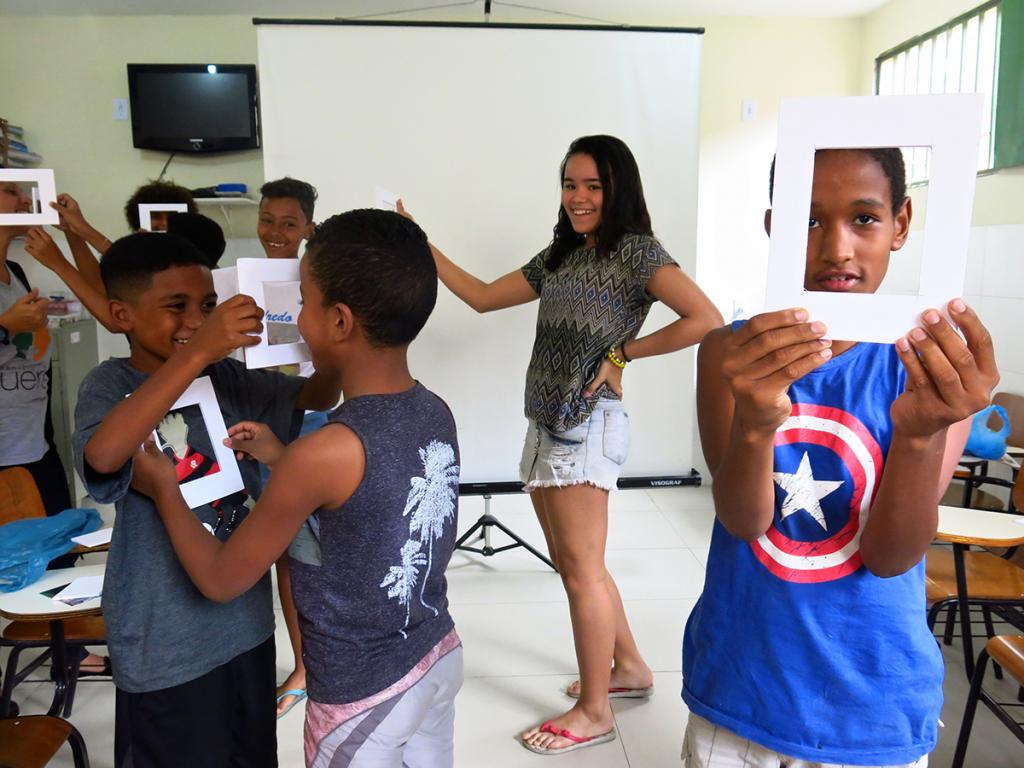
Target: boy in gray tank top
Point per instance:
(380, 483)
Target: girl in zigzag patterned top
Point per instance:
(596, 282)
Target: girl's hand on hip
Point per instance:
(608, 373)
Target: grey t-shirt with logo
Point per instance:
(161, 631)
(24, 380)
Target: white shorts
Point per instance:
(710, 746)
(591, 453)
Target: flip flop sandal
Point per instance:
(578, 742)
(620, 693)
(299, 695)
(107, 671)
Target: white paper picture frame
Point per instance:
(951, 126)
(146, 211)
(225, 283)
(45, 192)
(228, 479)
(252, 274)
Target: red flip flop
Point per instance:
(578, 742)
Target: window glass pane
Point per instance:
(969, 68)
(954, 49)
(885, 78)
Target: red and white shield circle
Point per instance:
(838, 555)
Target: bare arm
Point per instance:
(86, 262)
(222, 571)
(73, 220)
(507, 291)
(742, 380)
(129, 423)
(947, 382)
(41, 246)
(697, 315)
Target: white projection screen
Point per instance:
(468, 124)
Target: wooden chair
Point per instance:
(19, 500)
(1008, 652)
(31, 742)
(1014, 407)
(974, 474)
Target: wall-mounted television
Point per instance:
(194, 107)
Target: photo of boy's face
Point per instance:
(282, 312)
(852, 228)
(183, 437)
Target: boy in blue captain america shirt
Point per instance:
(809, 645)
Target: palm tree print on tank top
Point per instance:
(430, 506)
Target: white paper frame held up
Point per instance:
(47, 193)
(951, 126)
(146, 211)
(228, 480)
(225, 283)
(252, 274)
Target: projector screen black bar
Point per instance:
(471, 25)
(625, 483)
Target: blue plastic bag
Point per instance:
(986, 443)
(27, 546)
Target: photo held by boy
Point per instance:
(383, 659)
(194, 678)
(809, 644)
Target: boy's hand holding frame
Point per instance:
(130, 422)
(949, 378)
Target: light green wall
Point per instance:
(69, 71)
(998, 196)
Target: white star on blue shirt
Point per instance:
(804, 492)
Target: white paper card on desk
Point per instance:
(225, 283)
(81, 589)
(192, 436)
(146, 211)
(385, 200)
(44, 192)
(94, 539)
(274, 285)
(951, 126)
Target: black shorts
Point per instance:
(225, 718)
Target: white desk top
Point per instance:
(29, 603)
(976, 526)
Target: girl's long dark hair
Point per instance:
(624, 210)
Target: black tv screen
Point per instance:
(194, 107)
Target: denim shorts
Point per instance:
(591, 453)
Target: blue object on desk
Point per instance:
(986, 443)
(27, 546)
(231, 190)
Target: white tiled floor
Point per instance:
(512, 615)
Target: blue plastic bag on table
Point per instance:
(27, 546)
(984, 442)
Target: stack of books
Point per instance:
(14, 152)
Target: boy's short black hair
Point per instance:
(379, 264)
(303, 193)
(155, 192)
(128, 266)
(201, 231)
(890, 159)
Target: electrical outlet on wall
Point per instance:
(120, 109)
(748, 110)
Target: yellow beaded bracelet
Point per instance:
(617, 361)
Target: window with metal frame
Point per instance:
(961, 56)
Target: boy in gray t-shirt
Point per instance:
(195, 678)
(381, 478)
